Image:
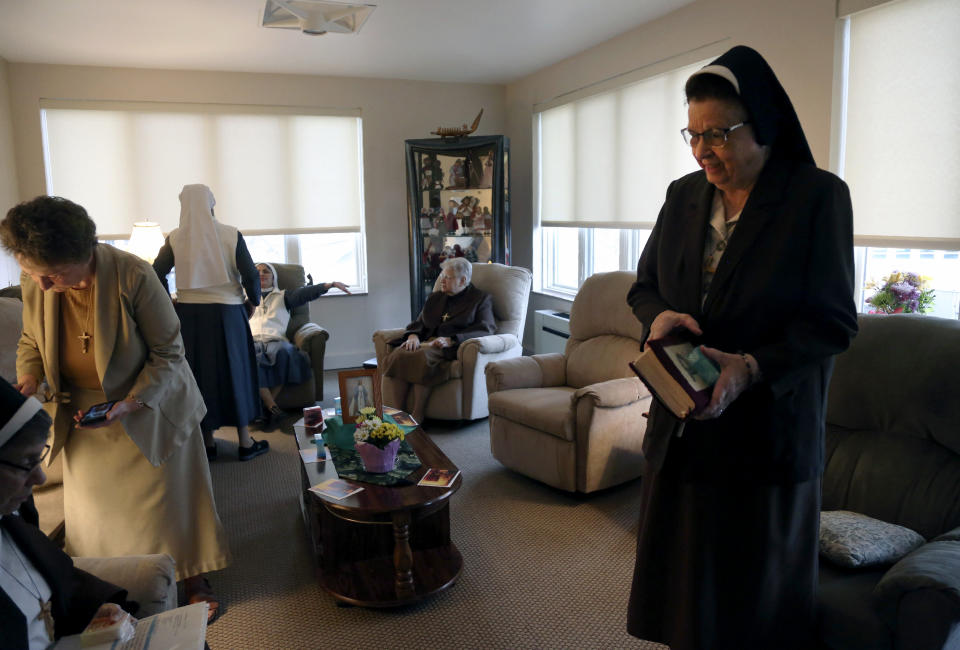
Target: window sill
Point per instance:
(555, 294)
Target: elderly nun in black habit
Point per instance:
(43, 596)
(753, 256)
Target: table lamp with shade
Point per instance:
(146, 240)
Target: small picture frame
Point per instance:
(358, 389)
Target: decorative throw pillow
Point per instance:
(853, 540)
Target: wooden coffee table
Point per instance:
(384, 546)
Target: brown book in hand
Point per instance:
(678, 374)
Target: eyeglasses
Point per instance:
(711, 137)
(31, 465)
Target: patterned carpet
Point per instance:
(542, 569)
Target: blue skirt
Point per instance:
(219, 349)
(280, 362)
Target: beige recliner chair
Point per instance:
(574, 420)
(464, 396)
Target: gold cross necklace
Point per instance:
(46, 606)
(85, 334)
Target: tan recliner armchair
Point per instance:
(574, 420)
(464, 396)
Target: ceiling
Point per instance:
(480, 41)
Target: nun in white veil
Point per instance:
(214, 275)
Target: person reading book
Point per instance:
(753, 257)
(43, 596)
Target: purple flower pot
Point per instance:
(376, 460)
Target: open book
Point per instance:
(183, 628)
(678, 374)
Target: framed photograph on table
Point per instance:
(358, 389)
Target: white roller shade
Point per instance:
(903, 107)
(606, 160)
(271, 169)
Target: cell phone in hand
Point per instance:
(97, 413)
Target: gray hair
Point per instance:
(460, 265)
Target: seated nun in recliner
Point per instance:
(279, 362)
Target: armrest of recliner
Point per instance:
(150, 580)
(490, 344)
(929, 575)
(538, 371)
(307, 336)
(381, 342)
(312, 339)
(614, 392)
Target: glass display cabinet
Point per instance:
(458, 205)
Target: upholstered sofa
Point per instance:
(893, 453)
(575, 420)
(464, 396)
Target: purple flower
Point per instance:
(904, 291)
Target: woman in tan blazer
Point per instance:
(97, 326)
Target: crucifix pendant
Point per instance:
(84, 342)
(446, 317)
(46, 614)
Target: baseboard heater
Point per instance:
(552, 331)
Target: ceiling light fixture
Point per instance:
(316, 17)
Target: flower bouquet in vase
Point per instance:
(901, 293)
(376, 441)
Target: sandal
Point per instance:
(204, 593)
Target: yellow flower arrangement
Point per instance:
(384, 433)
(375, 431)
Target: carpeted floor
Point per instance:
(542, 568)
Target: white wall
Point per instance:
(392, 111)
(796, 38)
(9, 271)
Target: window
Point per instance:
(289, 180)
(571, 255)
(604, 165)
(326, 257)
(941, 266)
(900, 90)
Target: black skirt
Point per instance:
(219, 349)
(280, 363)
(725, 564)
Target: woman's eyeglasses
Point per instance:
(711, 137)
(32, 464)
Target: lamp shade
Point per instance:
(146, 240)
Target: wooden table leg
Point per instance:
(402, 555)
